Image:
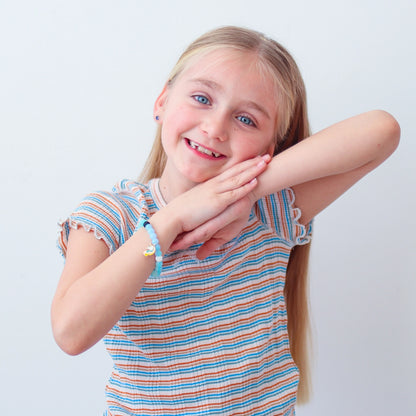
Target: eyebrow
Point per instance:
(207, 82)
(215, 86)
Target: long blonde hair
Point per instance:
(292, 127)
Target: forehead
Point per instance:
(232, 63)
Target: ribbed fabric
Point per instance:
(206, 337)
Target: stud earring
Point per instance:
(157, 118)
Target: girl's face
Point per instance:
(219, 111)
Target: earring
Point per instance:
(157, 118)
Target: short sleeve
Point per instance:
(279, 212)
(109, 215)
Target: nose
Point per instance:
(215, 125)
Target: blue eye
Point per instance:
(201, 99)
(246, 120)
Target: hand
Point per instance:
(217, 231)
(208, 200)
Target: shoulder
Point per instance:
(279, 211)
(111, 215)
(125, 200)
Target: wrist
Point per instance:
(166, 227)
(261, 190)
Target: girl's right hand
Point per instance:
(209, 199)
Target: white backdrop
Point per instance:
(78, 81)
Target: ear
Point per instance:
(159, 106)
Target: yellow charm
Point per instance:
(150, 250)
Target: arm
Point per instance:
(323, 166)
(95, 289)
(319, 169)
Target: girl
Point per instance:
(196, 277)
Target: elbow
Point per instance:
(389, 132)
(68, 339)
(66, 343)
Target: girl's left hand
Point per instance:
(217, 231)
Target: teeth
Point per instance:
(201, 149)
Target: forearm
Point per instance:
(368, 138)
(86, 308)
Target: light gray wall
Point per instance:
(78, 81)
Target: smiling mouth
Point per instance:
(203, 150)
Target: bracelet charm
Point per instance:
(150, 250)
(153, 248)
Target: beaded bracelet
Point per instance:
(153, 248)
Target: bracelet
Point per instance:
(153, 248)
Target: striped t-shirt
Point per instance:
(207, 337)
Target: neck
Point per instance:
(173, 184)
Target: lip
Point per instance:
(200, 154)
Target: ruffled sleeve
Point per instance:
(280, 213)
(112, 216)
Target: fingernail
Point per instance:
(261, 163)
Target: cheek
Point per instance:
(181, 117)
(253, 148)
(174, 124)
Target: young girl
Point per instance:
(196, 276)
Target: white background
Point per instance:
(78, 81)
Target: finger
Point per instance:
(233, 195)
(200, 234)
(219, 228)
(245, 170)
(177, 244)
(209, 247)
(187, 240)
(244, 165)
(240, 174)
(205, 231)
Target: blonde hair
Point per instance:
(292, 126)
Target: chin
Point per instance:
(197, 177)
